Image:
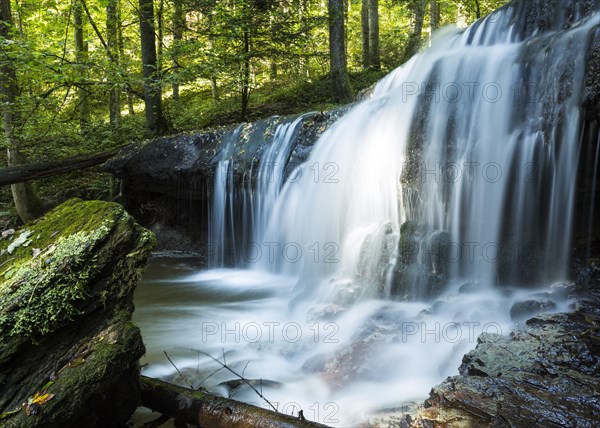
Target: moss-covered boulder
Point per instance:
(68, 349)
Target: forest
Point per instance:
(299, 213)
(82, 77)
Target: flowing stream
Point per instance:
(357, 281)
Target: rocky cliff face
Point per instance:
(68, 349)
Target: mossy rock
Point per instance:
(68, 349)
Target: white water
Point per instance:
(498, 136)
(500, 148)
(377, 354)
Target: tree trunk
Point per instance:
(26, 172)
(202, 409)
(81, 58)
(246, 75)
(178, 25)
(364, 21)
(112, 47)
(28, 205)
(213, 77)
(374, 60)
(414, 38)
(155, 121)
(129, 93)
(434, 18)
(342, 89)
(160, 34)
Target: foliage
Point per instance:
(204, 46)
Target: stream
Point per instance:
(338, 367)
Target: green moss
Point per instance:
(45, 279)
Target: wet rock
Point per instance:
(524, 309)
(543, 375)
(421, 271)
(68, 349)
(167, 183)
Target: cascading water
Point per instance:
(240, 210)
(457, 175)
(475, 142)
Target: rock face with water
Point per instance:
(68, 349)
(168, 183)
(543, 374)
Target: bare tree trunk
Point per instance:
(245, 76)
(28, 205)
(414, 38)
(178, 25)
(213, 77)
(130, 108)
(374, 60)
(434, 18)
(129, 93)
(155, 121)
(364, 21)
(342, 89)
(160, 34)
(112, 47)
(81, 55)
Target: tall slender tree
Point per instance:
(364, 22)
(417, 8)
(155, 120)
(178, 26)
(434, 15)
(337, 52)
(112, 48)
(81, 55)
(26, 201)
(374, 57)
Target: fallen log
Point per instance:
(210, 411)
(27, 172)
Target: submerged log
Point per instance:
(28, 172)
(206, 410)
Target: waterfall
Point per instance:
(460, 168)
(472, 145)
(240, 209)
(369, 267)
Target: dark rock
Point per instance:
(543, 375)
(68, 348)
(527, 308)
(167, 183)
(421, 271)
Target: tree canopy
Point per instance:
(86, 71)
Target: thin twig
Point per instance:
(225, 366)
(180, 374)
